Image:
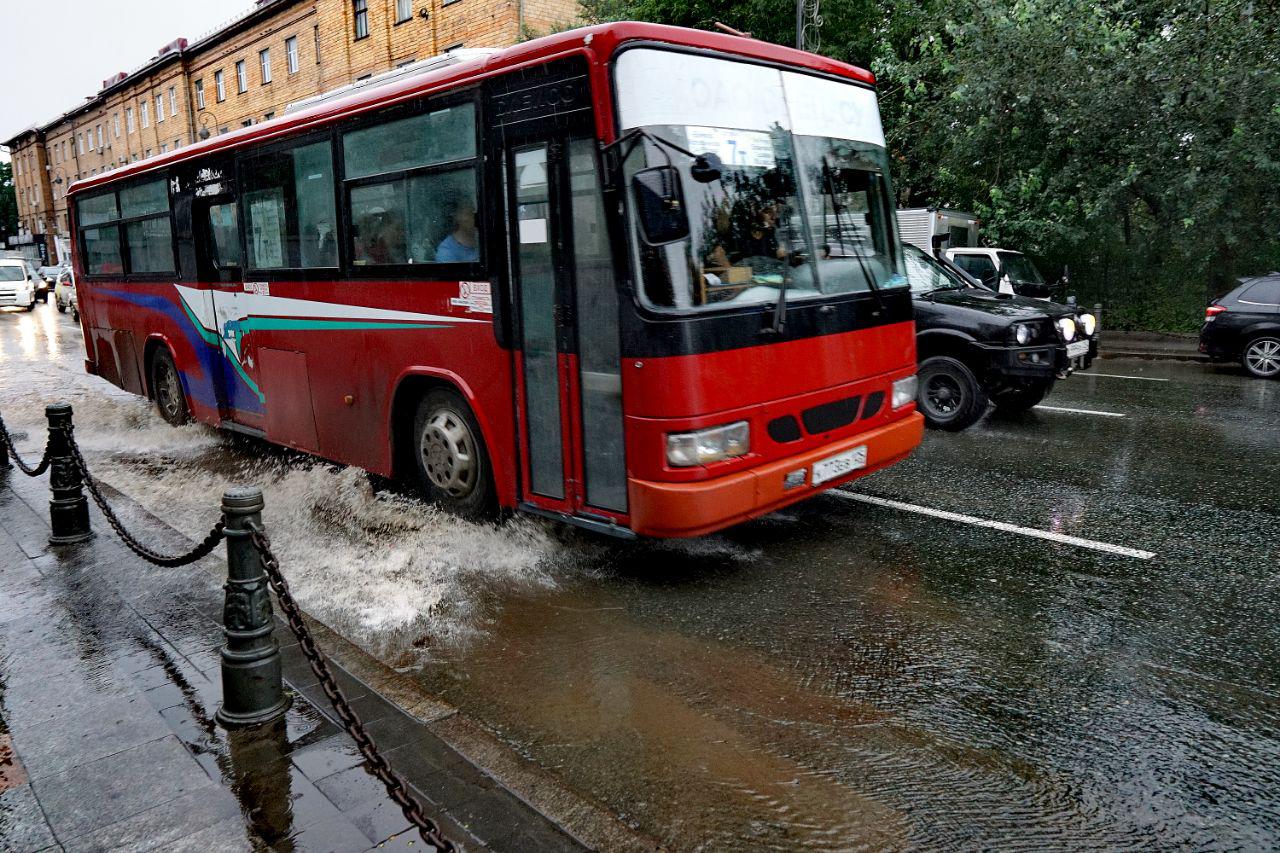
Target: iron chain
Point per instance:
(202, 550)
(395, 785)
(29, 470)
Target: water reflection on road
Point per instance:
(840, 675)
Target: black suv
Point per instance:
(975, 345)
(1245, 325)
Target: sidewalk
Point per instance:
(109, 680)
(1163, 345)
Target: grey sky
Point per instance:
(55, 53)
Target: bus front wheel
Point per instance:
(453, 464)
(166, 387)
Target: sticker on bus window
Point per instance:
(752, 148)
(475, 296)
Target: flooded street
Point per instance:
(845, 674)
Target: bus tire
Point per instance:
(1022, 398)
(950, 397)
(452, 461)
(166, 388)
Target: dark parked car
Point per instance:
(977, 346)
(1244, 325)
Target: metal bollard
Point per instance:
(252, 691)
(69, 508)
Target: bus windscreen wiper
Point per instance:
(828, 178)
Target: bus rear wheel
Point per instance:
(166, 387)
(453, 464)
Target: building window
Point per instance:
(146, 114)
(159, 108)
(99, 136)
(90, 135)
(220, 86)
(116, 120)
(316, 35)
(242, 78)
(173, 101)
(128, 119)
(269, 116)
(404, 10)
(264, 62)
(287, 200)
(164, 146)
(362, 18)
(199, 94)
(291, 54)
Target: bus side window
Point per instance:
(412, 190)
(224, 236)
(289, 210)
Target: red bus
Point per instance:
(640, 278)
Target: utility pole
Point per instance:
(808, 25)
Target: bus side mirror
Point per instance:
(661, 205)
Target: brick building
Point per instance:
(249, 70)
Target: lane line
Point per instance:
(1122, 376)
(1080, 411)
(1034, 533)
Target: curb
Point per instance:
(1157, 355)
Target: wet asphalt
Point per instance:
(845, 674)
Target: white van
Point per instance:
(1004, 270)
(18, 283)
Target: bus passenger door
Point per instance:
(567, 322)
(220, 268)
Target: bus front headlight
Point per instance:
(685, 449)
(904, 391)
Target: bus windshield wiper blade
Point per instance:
(830, 181)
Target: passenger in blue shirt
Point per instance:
(462, 245)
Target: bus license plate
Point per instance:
(1075, 349)
(843, 463)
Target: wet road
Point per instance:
(844, 674)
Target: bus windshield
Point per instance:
(803, 199)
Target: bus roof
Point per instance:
(600, 40)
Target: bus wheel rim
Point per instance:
(1264, 356)
(167, 390)
(449, 453)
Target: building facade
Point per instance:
(249, 70)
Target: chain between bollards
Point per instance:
(396, 787)
(11, 452)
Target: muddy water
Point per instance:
(838, 676)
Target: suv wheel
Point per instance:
(950, 396)
(1261, 357)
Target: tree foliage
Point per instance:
(8, 204)
(1137, 141)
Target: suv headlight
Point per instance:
(1024, 333)
(1067, 325)
(904, 391)
(685, 449)
(1090, 324)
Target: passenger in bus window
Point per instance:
(462, 244)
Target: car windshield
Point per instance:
(1019, 268)
(925, 274)
(11, 273)
(803, 197)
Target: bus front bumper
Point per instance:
(695, 509)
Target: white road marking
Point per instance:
(1122, 376)
(1081, 411)
(1062, 538)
